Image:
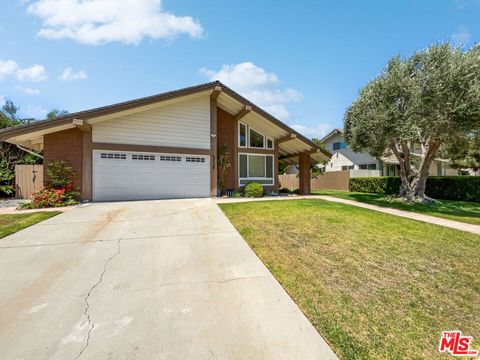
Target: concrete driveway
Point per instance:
(144, 280)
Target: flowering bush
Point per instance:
(52, 198)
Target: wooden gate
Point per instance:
(28, 179)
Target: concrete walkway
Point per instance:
(457, 225)
(168, 279)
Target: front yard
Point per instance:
(374, 285)
(468, 212)
(10, 224)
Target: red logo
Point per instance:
(456, 344)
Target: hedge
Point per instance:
(463, 188)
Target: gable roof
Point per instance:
(66, 120)
(336, 131)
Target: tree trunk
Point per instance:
(412, 188)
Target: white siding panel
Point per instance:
(183, 124)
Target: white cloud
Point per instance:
(257, 85)
(96, 22)
(27, 90)
(7, 67)
(313, 132)
(69, 75)
(33, 73)
(33, 111)
(462, 35)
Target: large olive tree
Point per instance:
(430, 100)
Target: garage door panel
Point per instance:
(136, 176)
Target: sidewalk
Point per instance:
(457, 225)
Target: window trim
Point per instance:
(266, 144)
(248, 178)
(258, 132)
(246, 135)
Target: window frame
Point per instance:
(249, 178)
(259, 133)
(266, 144)
(246, 135)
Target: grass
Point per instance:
(10, 224)
(468, 212)
(374, 285)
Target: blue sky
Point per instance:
(302, 61)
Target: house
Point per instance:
(167, 145)
(344, 158)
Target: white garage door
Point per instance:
(122, 175)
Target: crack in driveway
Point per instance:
(87, 304)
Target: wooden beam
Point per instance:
(242, 113)
(287, 138)
(81, 125)
(216, 92)
(283, 157)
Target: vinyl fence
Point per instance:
(28, 179)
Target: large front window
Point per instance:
(256, 139)
(255, 167)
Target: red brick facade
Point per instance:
(304, 174)
(64, 145)
(226, 132)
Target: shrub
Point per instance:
(6, 180)
(462, 188)
(51, 198)
(237, 194)
(375, 185)
(254, 189)
(60, 174)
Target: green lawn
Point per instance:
(468, 212)
(10, 224)
(375, 286)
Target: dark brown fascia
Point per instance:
(215, 86)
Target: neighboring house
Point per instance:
(166, 146)
(344, 158)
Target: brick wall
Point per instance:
(304, 174)
(226, 137)
(64, 145)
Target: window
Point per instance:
(195, 159)
(256, 139)
(269, 144)
(339, 145)
(367, 167)
(170, 158)
(255, 167)
(143, 157)
(242, 135)
(349, 167)
(113, 156)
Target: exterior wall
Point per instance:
(183, 124)
(226, 132)
(64, 145)
(304, 174)
(347, 157)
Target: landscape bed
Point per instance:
(374, 285)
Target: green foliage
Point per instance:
(54, 113)
(6, 179)
(463, 188)
(224, 164)
(51, 198)
(60, 174)
(237, 194)
(431, 98)
(254, 190)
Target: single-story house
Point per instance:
(167, 145)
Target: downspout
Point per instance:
(30, 151)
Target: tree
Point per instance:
(430, 99)
(465, 152)
(54, 113)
